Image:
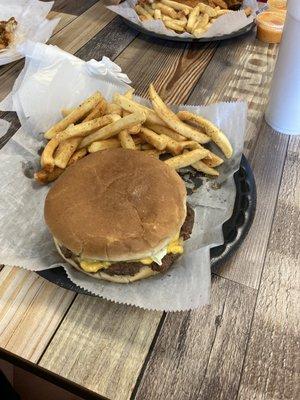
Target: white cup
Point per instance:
(283, 112)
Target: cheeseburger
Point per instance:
(119, 215)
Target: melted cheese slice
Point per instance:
(174, 247)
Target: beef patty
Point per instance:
(132, 268)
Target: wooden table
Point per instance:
(244, 344)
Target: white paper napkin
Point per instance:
(32, 24)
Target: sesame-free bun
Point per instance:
(116, 205)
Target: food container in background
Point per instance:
(270, 26)
(277, 5)
(283, 110)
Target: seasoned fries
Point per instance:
(103, 145)
(114, 128)
(210, 129)
(201, 166)
(158, 141)
(126, 123)
(186, 159)
(132, 106)
(85, 128)
(171, 119)
(181, 17)
(78, 113)
(65, 151)
(126, 140)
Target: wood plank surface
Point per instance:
(173, 67)
(272, 363)
(100, 344)
(267, 162)
(109, 42)
(244, 72)
(75, 7)
(82, 29)
(199, 354)
(65, 19)
(30, 311)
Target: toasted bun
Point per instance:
(116, 205)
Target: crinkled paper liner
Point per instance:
(33, 24)
(224, 25)
(25, 240)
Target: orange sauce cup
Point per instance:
(277, 5)
(270, 26)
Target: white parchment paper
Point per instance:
(32, 24)
(25, 240)
(224, 25)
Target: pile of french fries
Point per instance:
(180, 17)
(96, 125)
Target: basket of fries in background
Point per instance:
(189, 19)
(97, 125)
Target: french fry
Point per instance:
(157, 141)
(222, 12)
(149, 9)
(114, 128)
(175, 21)
(66, 111)
(174, 26)
(166, 131)
(217, 136)
(220, 3)
(78, 113)
(172, 120)
(133, 106)
(98, 111)
(113, 108)
(202, 22)
(166, 10)
(152, 153)
(212, 160)
(141, 11)
(157, 14)
(193, 16)
(203, 167)
(186, 159)
(182, 17)
(135, 129)
(138, 140)
(248, 11)
(173, 147)
(85, 128)
(44, 176)
(77, 156)
(177, 6)
(104, 145)
(147, 146)
(208, 10)
(143, 17)
(65, 151)
(47, 159)
(126, 140)
(199, 32)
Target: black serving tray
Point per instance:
(145, 31)
(235, 228)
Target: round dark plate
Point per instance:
(141, 29)
(235, 229)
